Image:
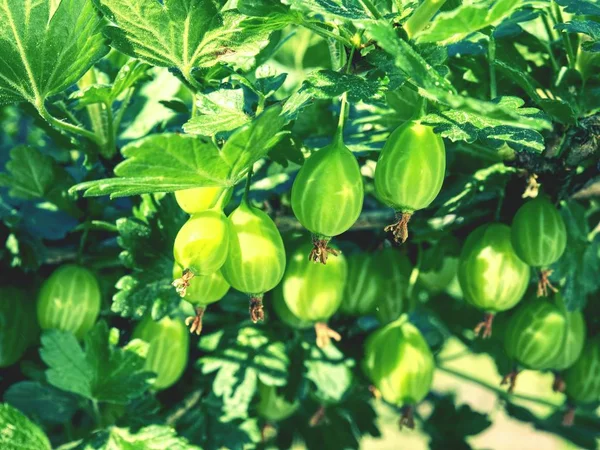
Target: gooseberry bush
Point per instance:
(275, 223)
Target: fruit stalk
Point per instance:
(485, 326)
(325, 335)
(257, 313)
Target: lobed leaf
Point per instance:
(455, 25)
(46, 46)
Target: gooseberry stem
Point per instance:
(248, 183)
(421, 16)
(344, 103)
(408, 418)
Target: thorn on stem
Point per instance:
(400, 228)
(325, 335)
(182, 283)
(196, 321)
(486, 326)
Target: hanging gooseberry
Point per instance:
(313, 292)
(539, 237)
(18, 325)
(202, 291)
(544, 335)
(201, 246)
(168, 341)
(255, 263)
(394, 268)
(400, 365)
(409, 173)
(582, 379)
(437, 280)
(69, 300)
(327, 195)
(362, 285)
(284, 313)
(491, 275)
(273, 406)
(200, 199)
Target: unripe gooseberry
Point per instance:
(201, 246)
(410, 172)
(539, 237)
(200, 199)
(491, 275)
(327, 195)
(255, 263)
(394, 268)
(583, 378)
(362, 285)
(400, 364)
(167, 355)
(69, 300)
(201, 292)
(18, 325)
(544, 335)
(313, 292)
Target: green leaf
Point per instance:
(580, 7)
(17, 432)
(152, 437)
(433, 86)
(170, 162)
(101, 372)
(483, 185)
(68, 369)
(327, 84)
(119, 374)
(470, 126)
(344, 9)
(221, 110)
(253, 142)
(411, 63)
(148, 253)
(46, 46)
(330, 372)
(181, 34)
(590, 28)
(241, 358)
(130, 74)
(580, 264)
(453, 26)
(32, 175)
(42, 401)
(449, 425)
(557, 108)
